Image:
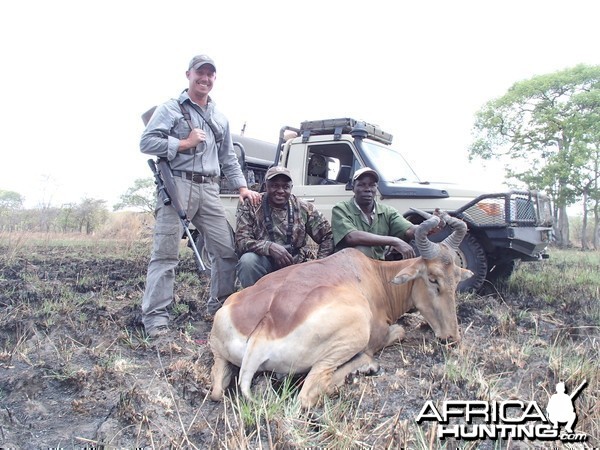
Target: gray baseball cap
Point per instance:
(199, 60)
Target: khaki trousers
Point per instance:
(206, 212)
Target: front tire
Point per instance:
(498, 274)
(472, 256)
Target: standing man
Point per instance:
(369, 226)
(273, 235)
(195, 147)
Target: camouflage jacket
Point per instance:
(252, 234)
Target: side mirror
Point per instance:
(344, 174)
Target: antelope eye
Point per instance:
(433, 281)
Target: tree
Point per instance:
(66, 221)
(142, 195)
(10, 200)
(90, 214)
(10, 203)
(590, 173)
(543, 126)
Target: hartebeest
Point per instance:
(328, 317)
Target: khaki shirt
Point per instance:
(167, 127)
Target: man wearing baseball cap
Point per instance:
(274, 233)
(195, 138)
(372, 227)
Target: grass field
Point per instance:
(77, 371)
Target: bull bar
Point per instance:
(518, 220)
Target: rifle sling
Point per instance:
(269, 221)
(188, 119)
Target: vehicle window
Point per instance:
(389, 163)
(329, 164)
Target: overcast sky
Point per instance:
(77, 76)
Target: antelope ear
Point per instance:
(465, 274)
(407, 274)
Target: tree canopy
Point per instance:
(547, 130)
(141, 196)
(10, 200)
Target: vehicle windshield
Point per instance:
(389, 163)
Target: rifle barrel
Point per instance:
(576, 391)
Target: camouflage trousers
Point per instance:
(206, 212)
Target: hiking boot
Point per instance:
(213, 305)
(158, 331)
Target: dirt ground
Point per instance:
(76, 370)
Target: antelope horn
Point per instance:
(427, 249)
(423, 214)
(459, 230)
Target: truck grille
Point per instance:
(514, 208)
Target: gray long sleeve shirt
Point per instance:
(167, 127)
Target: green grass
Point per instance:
(567, 274)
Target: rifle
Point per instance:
(163, 178)
(576, 391)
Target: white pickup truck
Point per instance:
(322, 155)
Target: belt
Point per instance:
(193, 176)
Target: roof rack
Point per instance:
(337, 127)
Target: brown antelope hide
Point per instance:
(327, 318)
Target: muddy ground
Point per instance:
(76, 370)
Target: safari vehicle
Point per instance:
(322, 155)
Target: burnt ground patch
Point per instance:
(77, 370)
